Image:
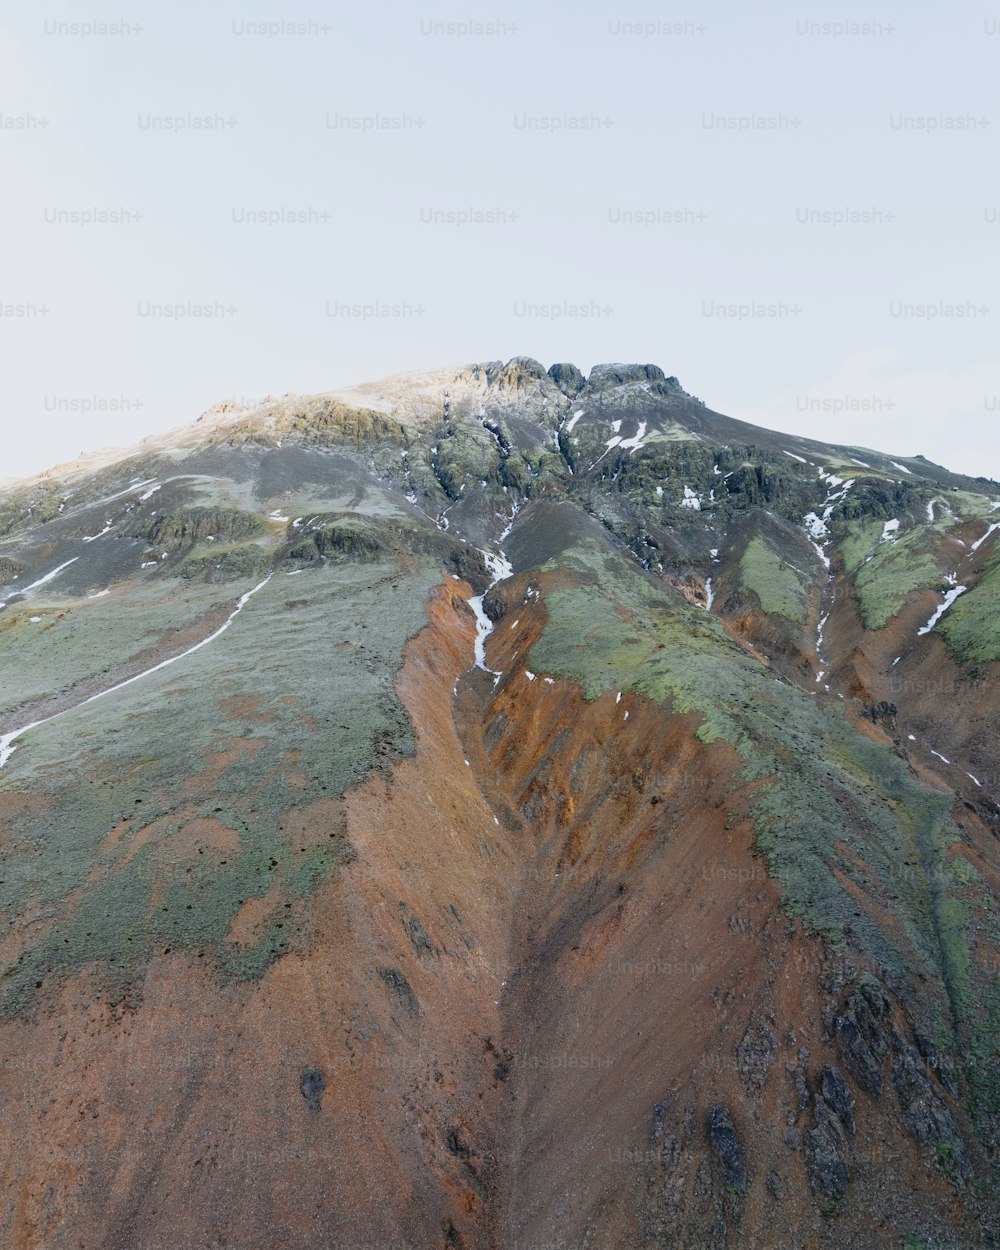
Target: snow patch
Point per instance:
(691, 499)
(979, 541)
(636, 440)
(949, 599)
(108, 527)
(42, 581)
(889, 531)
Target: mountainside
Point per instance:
(499, 808)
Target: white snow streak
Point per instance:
(979, 541)
(7, 740)
(949, 599)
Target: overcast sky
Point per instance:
(797, 219)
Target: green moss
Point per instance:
(137, 757)
(885, 573)
(826, 786)
(971, 627)
(777, 586)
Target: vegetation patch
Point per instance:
(971, 626)
(825, 786)
(775, 583)
(886, 573)
(318, 662)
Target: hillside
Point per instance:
(495, 808)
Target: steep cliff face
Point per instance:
(499, 807)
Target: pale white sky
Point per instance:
(680, 185)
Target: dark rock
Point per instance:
(827, 1169)
(925, 1113)
(837, 1097)
(792, 1138)
(825, 1160)
(883, 714)
(726, 1148)
(568, 378)
(456, 1146)
(776, 1186)
(603, 377)
(862, 1040)
(413, 925)
(399, 988)
(941, 1065)
(312, 1087)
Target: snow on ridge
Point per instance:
(901, 467)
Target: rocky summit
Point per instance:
(499, 808)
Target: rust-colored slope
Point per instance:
(553, 955)
(182, 1122)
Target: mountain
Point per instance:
(499, 808)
